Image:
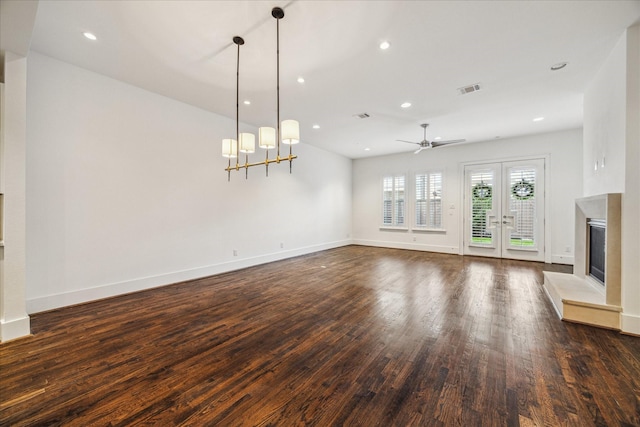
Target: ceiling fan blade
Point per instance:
(419, 150)
(452, 141)
(408, 142)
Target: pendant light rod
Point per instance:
(239, 41)
(278, 13)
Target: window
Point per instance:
(429, 200)
(393, 201)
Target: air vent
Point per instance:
(468, 89)
(361, 115)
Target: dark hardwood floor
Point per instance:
(353, 336)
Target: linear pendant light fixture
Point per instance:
(287, 131)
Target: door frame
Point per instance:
(547, 187)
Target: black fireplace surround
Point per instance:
(596, 248)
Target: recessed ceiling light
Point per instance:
(384, 45)
(558, 66)
(316, 126)
(538, 119)
(247, 102)
(367, 149)
(437, 138)
(300, 79)
(90, 36)
(405, 105)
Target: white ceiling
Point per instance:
(183, 50)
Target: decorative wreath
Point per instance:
(522, 190)
(482, 191)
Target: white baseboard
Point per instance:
(15, 328)
(555, 259)
(630, 324)
(50, 302)
(562, 259)
(410, 246)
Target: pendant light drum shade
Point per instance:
(229, 148)
(247, 143)
(267, 137)
(290, 132)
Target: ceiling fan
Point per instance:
(429, 144)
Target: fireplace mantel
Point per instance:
(575, 296)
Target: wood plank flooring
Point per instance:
(354, 336)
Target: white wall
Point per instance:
(604, 126)
(565, 160)
(612, 129)
(14, 321)
(631, 197)
(126, 190)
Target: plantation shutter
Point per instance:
(393, 201)
(435, 200)
(399, 200)
(428, 200)
(387, 200)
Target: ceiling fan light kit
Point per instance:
(424, 144)
(286, 132)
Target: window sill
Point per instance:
(429, 230)
(480, 245)
(523, 249)
(391, 228)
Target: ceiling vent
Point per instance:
(361, 115)
(468, 89)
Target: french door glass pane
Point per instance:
(522, 207)
(481, 204)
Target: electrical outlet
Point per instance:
(414, 239)
(281, 245)
(567, 249)
(235, 252)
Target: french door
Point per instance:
(504, 210)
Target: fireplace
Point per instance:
(592, 294)
(598, 218)
(596, 247)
